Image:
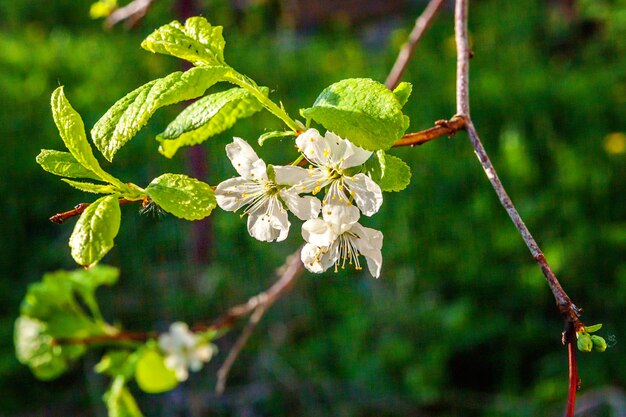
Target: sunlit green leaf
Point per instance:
(274, 134)
(182, 196)
(402, 92)
(95, 230)
(89, 187)
(197, 41)
(362, 111)
(593, 328)
(152, 375)
(72, 131)
(63, 164)
(389, 172)
(129, 114)
(207, 117)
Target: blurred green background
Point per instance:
(461, 321)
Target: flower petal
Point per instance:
(354, 156)
(268, 228)
(258, 171)
(341, 217)
(370, 243)
(318, 232)
(335, 148)
(242, 156)
(304, 208)
(290, 175)
(312, 260)
(229, 194)
(367, 194)
(166, 342)
(205, 352)
(313, 146)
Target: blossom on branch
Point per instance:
(184, 350)
(264, 198)
(330, 156)
(337, 238)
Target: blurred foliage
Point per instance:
(461, 321)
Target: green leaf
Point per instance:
(72, 131)
(34, 347)
(56, 291)
(207, 117)
(86, 281)
(119, 401)
(129, 114)
(402, 92)
(117, 362)
(274, 134)
(95, 230)
(89, 187)
(389, 172)
(362, 111)
(51, 310)
(197, 41)
(182, 196)
(63, 164)
(593, 328)
(152, 375)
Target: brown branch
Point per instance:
(133, 12)
(463, 55)
(291, 270)
(565, 305)
(569, 339)
(105, 338)
(79, 208)
(421, 24)
(442, 128)
(568, 309)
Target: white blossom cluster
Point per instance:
(184, 350)
(267, 193)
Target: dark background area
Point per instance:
(461, 321)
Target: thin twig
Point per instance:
(105, 339)
(463, 55)
(233, 353)
(132, 13)
(421, 24)
(569, 339)
(442, 128)
(569, 311)
(562, 300)
(79, 208)
(291, 270)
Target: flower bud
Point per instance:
(584, 342)
(599, 344)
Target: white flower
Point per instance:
(330, 156)
(183, 350)
(337, 238)
(264, 199)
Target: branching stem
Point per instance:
(78, 210)
(568, 309)
(132, 13)
(406, 52)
